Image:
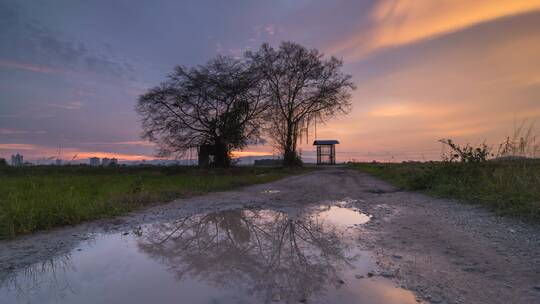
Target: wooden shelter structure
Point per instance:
(326, 151)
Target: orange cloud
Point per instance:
(17, 147)
(37, 152)
(412, 109)
(236, 154)
(120, 156)
(393, 110)
(399, 22)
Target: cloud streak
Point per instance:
(17, 147)
(18, 132)
(401, 22)
(72, 105)
(123, 143)
(28, 67)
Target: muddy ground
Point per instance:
(443, 251)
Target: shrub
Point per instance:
(467, 153)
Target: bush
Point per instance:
(467, 153)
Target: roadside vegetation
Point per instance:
(43, 197)
(509, 187)
(507, 180)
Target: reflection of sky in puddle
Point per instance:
(341, 216)
(235, 256)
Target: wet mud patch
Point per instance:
(234, 256)
(270, 191)
(384, 191)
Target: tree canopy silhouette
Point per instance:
(218, 104)
(228, 103)
(302, 87)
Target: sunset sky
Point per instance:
(71, 71)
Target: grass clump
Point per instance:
(38, 198)
(508, 186)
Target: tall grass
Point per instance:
(522, 144)
(37, 198)
(508, 181)
(508, 187)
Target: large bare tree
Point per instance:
(302, 86)
(215, 105)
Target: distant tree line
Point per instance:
(228, 103)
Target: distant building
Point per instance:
(114, 162)
(17, 160)
(94, 161)
(105, 161)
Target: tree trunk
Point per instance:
(221, 156)
(290, 157)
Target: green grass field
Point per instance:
(39, 198)
(508, 187)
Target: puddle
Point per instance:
(235, 256)
(342, 217)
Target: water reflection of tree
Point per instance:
(265, 253)
(48, 275)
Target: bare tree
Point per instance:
(302, 87)
(215, 105)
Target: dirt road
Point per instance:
(442, 251)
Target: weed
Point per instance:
(466, 153)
